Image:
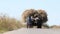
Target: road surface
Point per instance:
(34, 31)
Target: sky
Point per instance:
(15, 8)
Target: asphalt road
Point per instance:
(34, 31)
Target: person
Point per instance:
(29, 22)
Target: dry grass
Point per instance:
(8, 24)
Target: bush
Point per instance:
(8, 24)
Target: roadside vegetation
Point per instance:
(9, 24)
